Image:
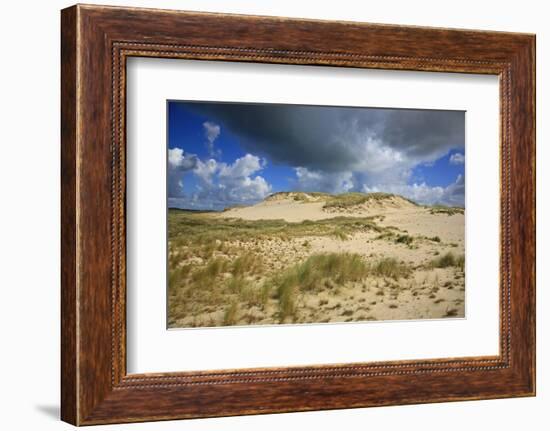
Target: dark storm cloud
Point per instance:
(335, 139)
(422, 133)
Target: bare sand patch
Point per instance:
(287, 210)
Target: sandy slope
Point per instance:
(416, 220)
(288, 210)
(291, 210)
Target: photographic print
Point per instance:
(301, 214)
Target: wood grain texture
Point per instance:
(96, 41)
(69, 397)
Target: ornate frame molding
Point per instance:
(96, 41)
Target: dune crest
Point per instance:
(300, 206)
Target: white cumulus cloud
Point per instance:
(221, 185)
(206, 170)
(316, 181)
(453, 194)
(242, 167)
(178, 160)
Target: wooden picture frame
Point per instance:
(95, 43)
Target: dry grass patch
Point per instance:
(208, 235)
(449, 259)
(230, 316)
(315, 273)
(391, 268)
(440, 209)
(347, 200)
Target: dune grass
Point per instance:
(205, 276)
(342, 200)
(404, 239)
(248, 262)
(206, 235)
(298, 196)
(347, 200)
(312, 274)
(338, 267)
(391, 268)
(441, 209)
(178, 274)
(223, 272)
(340, 234)
(230, 315)
(320, 271)
(236, 284)
(245, 282)
(449, 259)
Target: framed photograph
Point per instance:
(305, 214)
(266, 215)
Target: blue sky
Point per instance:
(225, 154)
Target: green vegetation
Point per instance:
(347, 200)
(177, 274)
(221, 279)
(337, 267)
(441, 209)
(404, 239)
(392, 233)
(236, 285)
(321, 270)
(386, 235)
(247, 262)
(390, 267)
(340, 234)
(447, 260)
(299, 196)
(453, 312)
(216, 260)
(230, 315)
(210, 271)
(210, 234)
(343, 200)
(312, 274)
(229, 271)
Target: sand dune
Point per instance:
(297, 207)
(288, 210)
(425, 246)
(397, 211)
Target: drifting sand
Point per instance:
(291, 210)
(287, 210)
